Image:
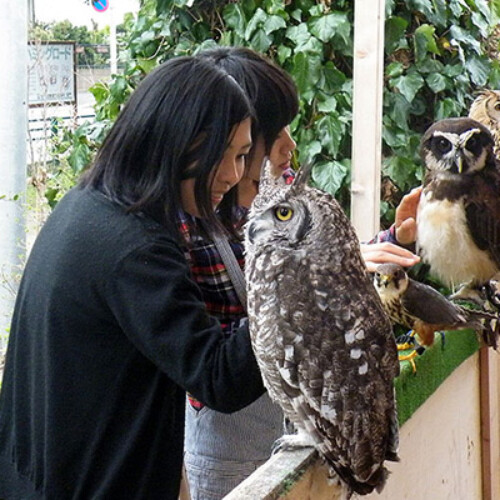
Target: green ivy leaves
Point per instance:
(434, 60)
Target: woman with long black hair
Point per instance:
(109, 329)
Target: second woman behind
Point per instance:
(222, 450)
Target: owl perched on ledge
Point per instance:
(320, 334)
(486, 110)
(458, 215)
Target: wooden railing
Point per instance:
(449, 435)
(288, 475)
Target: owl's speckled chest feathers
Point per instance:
(299, 334)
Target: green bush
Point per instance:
(435, 58)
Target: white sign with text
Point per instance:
(51, 73)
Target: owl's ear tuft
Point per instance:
(303, 174)
(268, 180)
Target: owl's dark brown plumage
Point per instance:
(321, 337)
(458, 216)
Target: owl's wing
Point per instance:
(483, 215)
(337, 333)
(428, 305)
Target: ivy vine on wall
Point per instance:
(437, 53)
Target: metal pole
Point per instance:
(13, 122)
(367, 116)
(31, 12)
(113, 63)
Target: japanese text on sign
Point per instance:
(51, 73)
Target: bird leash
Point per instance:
(229, 259)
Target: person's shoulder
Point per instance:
(104, 219)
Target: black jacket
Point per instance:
(108, 332)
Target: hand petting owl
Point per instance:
(321, 337)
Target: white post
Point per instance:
(112, 41)
(31, 11)
(367, 116)
(13, 123)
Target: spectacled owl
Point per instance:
(321, 337)
(486, 110)
(458, 217)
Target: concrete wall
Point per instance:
(86, 77)
(449, 449)
(440, 446)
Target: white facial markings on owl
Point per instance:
(356, 353)
(477, 163)
(457, 153)
(464, 137)
(474, 163)
(457, 140)
(452, 138)
(432, 163)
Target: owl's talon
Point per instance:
(405, 346)
(407, 341)
(292, 441)
(468, 293)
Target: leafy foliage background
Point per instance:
(83, 36)
(437, 53)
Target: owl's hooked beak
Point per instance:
(459, 162)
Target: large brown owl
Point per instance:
(458, 216)
(319, 331)
(486, 110)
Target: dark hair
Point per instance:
(181, 115)
(270, 88)
(271, 91)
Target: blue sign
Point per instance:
(100, 5)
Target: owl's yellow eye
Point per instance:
(283, 213)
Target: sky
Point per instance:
(81, 14)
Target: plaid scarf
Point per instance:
(209, 272)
